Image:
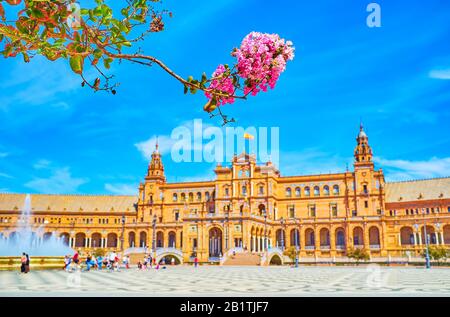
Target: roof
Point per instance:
(92, 203)
(426, 189)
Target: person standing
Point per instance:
(99, 262)
(195, 261)
(27, 263)
(23, 261)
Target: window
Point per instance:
(191, 197)
(448, 209)
(335, 190)
(312, 210)
(297, 191)
(366, 204)
(354, 213)
(307, 191)
(326, 190)
(365, 189)
(334, 210)
(244, 190)
(199, 196)
(177, 215)
(291, 211)
(261, 190)
(407, 211)
(207, 197)
(316, 191)
(175, 197)
(183, 197)
(227, 192)
(288, 192)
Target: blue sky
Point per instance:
(56, 137)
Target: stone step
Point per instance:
(243, 259)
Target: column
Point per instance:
(442, 238)
(253, 243)
(437, 237)
(415, 239)
(259, 243)
(420, 237)
(106, 242)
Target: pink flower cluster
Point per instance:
(261, 59)
(223, 83)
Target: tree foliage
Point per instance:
(437, 253)
(358, 254)
(96, 36)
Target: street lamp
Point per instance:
(265, 230)
(296, 242)
(427, 252)
(282, 233)
(226, 229)
(154, 235)
(122, 236)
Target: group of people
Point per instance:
(149, 262)
(24, 263)
(110, 262)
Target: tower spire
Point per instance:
(155, 170)
(363, 152)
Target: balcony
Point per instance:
(375, 247)
(310, 247)
(358, 246)
(325, 248)
(340, 247)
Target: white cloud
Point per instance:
(5, 175)
(122, 189)
(400, 170)
(147, 147)
(166, 142)
(42, 164)
(440, 74)
(60, 181)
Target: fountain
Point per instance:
(30, 240)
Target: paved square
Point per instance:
(232, 281)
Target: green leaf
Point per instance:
(76, 63)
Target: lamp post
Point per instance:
(282, 233)
(296, 243)
(154, 236)
(226, 229)
(427, 251)
(123, 231)
(266, 247)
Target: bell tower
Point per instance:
(155, 171)
(363, 152)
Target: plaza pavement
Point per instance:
(232, 281)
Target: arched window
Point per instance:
(297, 191)
(261, 189)
(335, 190)
(244, 190)
(175, 197)
(183, 197)
(207, 197)
(316, 191)
(326, 190)
(199, 196)
(307, 191)
(288, 192)
(226, 192)
(191, 197)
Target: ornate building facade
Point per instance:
(250, 207)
